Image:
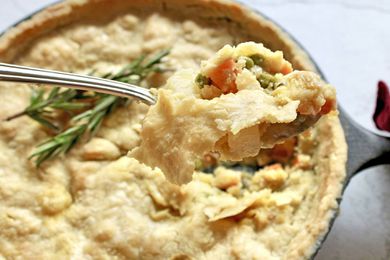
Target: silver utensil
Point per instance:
(16, 73)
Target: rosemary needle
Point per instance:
(86, 109)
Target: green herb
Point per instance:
(86, 109)
(87, 122)
(41, 107)
(201, 80)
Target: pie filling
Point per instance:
(244, 99)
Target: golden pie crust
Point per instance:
(97, 202)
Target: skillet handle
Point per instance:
(365, 149)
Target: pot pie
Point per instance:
(245, 98)
(96, 202)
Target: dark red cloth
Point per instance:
(382, 111)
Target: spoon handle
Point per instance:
(16, 73)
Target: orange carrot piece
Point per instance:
(224, 77)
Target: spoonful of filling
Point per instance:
(243, 99)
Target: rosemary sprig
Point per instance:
(87, 122)
(87, 109)
(41, 108)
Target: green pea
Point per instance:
(257, 59)
(202, 80)
(198, 164)
(266, 79)
(248, 63)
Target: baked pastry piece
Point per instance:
(244, 98)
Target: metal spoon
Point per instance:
(365, 149)
(16, 73)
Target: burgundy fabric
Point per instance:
(382, 111)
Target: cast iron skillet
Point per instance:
(365, 149)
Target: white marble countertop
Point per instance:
(350, 40)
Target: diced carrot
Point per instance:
(287, 68)
(224, 77)
(328, 106)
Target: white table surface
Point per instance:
(350, 40)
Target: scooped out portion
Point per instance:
(243, 99)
